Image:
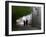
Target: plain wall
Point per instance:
(36, 17)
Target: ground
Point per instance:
(16, 28)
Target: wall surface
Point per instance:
(36, 17)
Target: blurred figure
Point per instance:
(26, 22)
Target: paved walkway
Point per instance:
(25, 28)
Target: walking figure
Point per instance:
(26, 22)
